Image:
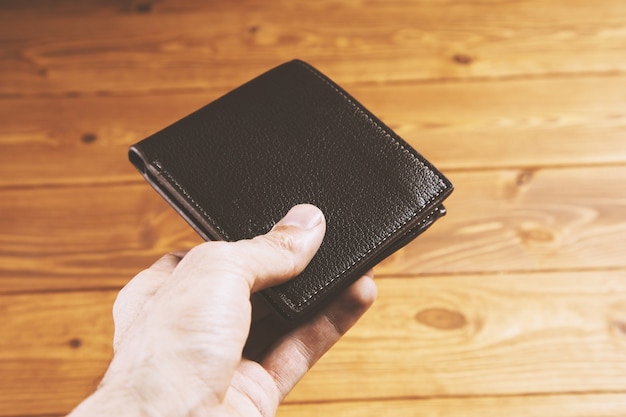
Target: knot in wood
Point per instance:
(441, 318)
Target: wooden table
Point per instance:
(513, 305)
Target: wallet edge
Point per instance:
(202, 223)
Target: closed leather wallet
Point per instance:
(233, 168)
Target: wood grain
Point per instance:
(96, 237)
(512, 305)
(459, 336)
(597, 405)
(53, 351)
(479, 335)
(118, 46)
(525, 220)
(518, 124)
(503, 220)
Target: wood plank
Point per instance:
(133, 46)
(56, 140)
(429, 337)
(597, 405)
(85, 236)
(80, 237)
(524, 123)
(524, 220)
(53, 351)
(480, 335)
(514, 304)
(83, 140)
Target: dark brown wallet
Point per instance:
(235, 167)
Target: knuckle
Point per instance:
(124, 296)
(285, 246)
(217, 258)
(282, 241)
(210, 250)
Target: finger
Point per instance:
(287, 249)
(131, 299)
(296, 353)
(147, 282)
(266, 260)
(266, 329)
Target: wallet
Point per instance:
(236, 166)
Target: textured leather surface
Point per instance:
(290, 136)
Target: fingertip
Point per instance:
(287, 249)
(290, 358)
(364, 291)
(303, 216)
(352, 304)
(167, 262)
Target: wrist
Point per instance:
(106, 401)
(142, 391)
(123, 394)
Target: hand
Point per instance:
(182, 324)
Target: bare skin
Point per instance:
(182, 327)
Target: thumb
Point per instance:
(286, 250)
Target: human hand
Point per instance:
(182, 324)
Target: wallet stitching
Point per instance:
(326, 284)
(391, 137)
(381, 129)
(173, 181)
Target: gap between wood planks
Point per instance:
(137, 180)
(217, 91)
(383, 275)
